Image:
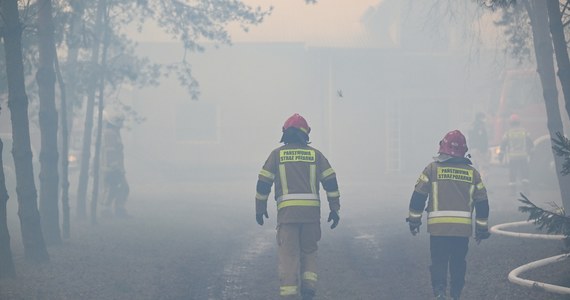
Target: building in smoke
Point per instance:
(376, 112)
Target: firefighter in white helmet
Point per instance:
(115, 185)
(297, 169)
(454, 189)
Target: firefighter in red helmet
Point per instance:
(296, 169)
(516, 147)
(452, 189)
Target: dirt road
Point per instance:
(200, 241)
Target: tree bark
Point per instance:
(97, 158)
(545, 67)
(560, 49)
(49, 177)
(563, 62)
(34, 244)
(73, 47)
(7, 269)
(64, 152)
(88, 126)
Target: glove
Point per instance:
(481, 233)
(333, 216)
(415, 224)
(259, 217)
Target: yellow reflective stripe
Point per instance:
(267, 174)
(313, 178)
(333, 194)
(434, 194)
(283, 176)
(481, 222)
(288, 290)
(452, 220)
(261, 197)
(327, 173)
(288, 203)
(449, 213)
(310, 276)
(480, 186)
(298, 196)
(471, 191)
(517, 138)
(414, 214)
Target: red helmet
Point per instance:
(514, 119)
(454, 144)
(298, 122)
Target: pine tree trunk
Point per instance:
(560, 49)
(34, 245)
(73, 45)
(88, 127)
(545, 66)
(49, 177)
(97, 158)
(64, 152)
(6, 262)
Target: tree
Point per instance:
(6, 262)
(34, 245)
(73, 45)
(190, 22)
(560, 49)
(64, 151)
(88, 125)
(96, 160)
(45, 76)
(543, 51)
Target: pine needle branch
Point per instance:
(561, 146)
(554, 222)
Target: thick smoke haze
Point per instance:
(379, 82)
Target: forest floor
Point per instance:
(199, 240)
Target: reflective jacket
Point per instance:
(297, 170)
(516, 143)
(454, 189)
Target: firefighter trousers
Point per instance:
(519, 169)
(297, 244)
(448, 252)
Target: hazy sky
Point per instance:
(329, 21)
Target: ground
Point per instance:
(199, 240)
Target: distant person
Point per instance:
(452, 188)
(479, 142)
(297, 169)
(516, 147)
(115, 185)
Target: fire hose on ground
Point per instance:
(514, 274)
